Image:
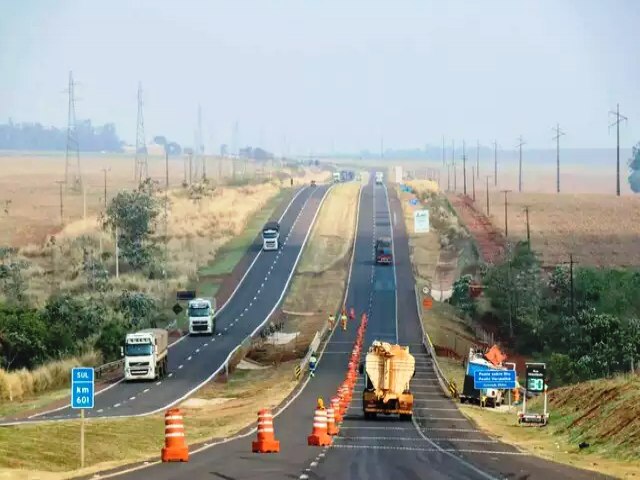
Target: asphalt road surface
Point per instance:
(194, 359)
(440, 444)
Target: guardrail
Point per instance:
(108, 367)
(449, 388)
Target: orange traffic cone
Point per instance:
(175, 447)
(337, 414)
(319, 436)
(332, 428)
(266, 442)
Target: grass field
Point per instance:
(599, 230)
(50, 451)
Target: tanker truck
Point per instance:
(146, 354)
(388, 369)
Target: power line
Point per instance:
(73, 147)
(559, 133)
(142, 160)
(619, 118)
(520, 144)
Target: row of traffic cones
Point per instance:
(326, 421)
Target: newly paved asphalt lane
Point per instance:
(194, 359)
(439, 444)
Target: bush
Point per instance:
(22, 337)
(111, 339)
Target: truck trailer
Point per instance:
(271, 236)
(146, 354)
(202, 316)
(388, 369)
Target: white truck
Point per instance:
(202, 316)
(271, 236)
(379, 178)
(146, 354)
(336, 177)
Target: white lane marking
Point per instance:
(206, 344)
(241, 314)
(159, 383)
(132, 398)
(180, 366)
(432, 409)
(254, 298)
(145, 390)
(170, 375)
(189, 358)
(452, 451)
(417, 439)
(116, 405)
(379, 428)
(101, 410)
(197, 350)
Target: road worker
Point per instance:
(343, 319)
(313, 361)
(332, 321)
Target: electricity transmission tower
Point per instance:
(199, 147)
(619, 118)
(73, 147)
(559, 133)
(520, 144)
(142, 160)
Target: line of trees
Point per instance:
(34, 136)
(584, 327)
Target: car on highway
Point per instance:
(384, 253)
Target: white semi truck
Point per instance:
(271, 236)
(379, 178)
(202, 316)
(146, 354)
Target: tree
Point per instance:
(22, 337)
(134, 214)
(111, 339)
(12, 282)
(461, 296)
(137, 308)
(634, 165)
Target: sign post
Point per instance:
(82, 397)
(421, 221)
(498, 379)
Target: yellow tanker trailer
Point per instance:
(388, 369)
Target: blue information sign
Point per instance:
(82, 387)
(501, 379)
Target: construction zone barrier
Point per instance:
(453, 389)
(337, 412)
(332, 428)
(319, 436)
(266, 442)
(175, 447)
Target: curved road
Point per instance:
(194, 360)
(439, 444)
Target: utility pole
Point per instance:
(559, 133)
(520, 144)
(506, 221)
(60, 183)
(464, 170)
(117, 254)
(73, 147)
(495, 163)
(526, 211)
(488, 177)
(443, 152)
(619, 118)
(573, 309)
(448, 177)
(142, 160)
(473, 182)
(84, 201)
(478, 160)
(105, 170)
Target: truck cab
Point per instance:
(145, 354)
(336, 177)
(271, 236)
(384, 252)
(201, 315)
(379, 178)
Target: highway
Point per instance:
(439, 444)
(194, 360)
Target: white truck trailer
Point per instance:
(271, 236)
(146, 354)
(202, 316)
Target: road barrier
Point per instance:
(108, 367)
(175, 447)
(332, 428)
(266, 442)
(319, 436)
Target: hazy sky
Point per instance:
(329, 72)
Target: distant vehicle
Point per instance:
(336, 177)
(379, 178)
(346, 175)
(271, 236)
(313, 183)
(384, 252)
(146, 354)
(201, 313)
(388, 370)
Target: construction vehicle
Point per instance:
(388, 370)
(384, 250)
(479, 360)
(146, 354)
(271, 236)
(202, 316)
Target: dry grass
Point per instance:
(18, 385)
(318, 286)
(600, 230)
(217, 410)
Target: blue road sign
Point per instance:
(413, 201)
(82, 387)
(501, 379)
